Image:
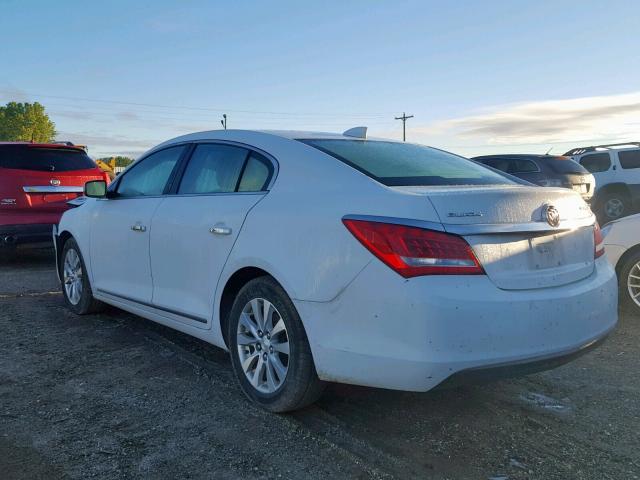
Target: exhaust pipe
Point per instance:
(9, 239)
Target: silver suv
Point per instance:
(616, 168)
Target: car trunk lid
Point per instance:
(509, 229)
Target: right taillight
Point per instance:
(598, 241)
(412, 251)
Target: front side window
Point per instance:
(629, 159)
(596, 162)
(149, 177)
(501, 164)
(395, 164)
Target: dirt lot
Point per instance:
(116, 396)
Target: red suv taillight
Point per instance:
(598, 241)
(412, 251)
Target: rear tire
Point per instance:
(626, 281)
(612, 206)
(271, 357)
(76, 289)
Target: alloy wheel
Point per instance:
(72, 276)
(633, 283)
(263, 345)
(614, 208)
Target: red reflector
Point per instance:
(412, 251)
(598, 241)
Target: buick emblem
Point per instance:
(552, 215)
(55, 182)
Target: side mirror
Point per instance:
(95, 189)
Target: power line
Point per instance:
(404, 119)
(184, 107)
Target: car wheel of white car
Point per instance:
(75, 282)
(614, 206)
(630, 282)
(269, 348)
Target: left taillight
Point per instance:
(412, 251)
(598, 241)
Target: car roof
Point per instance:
(43, 145)
(523, 156)
(307, 135)
(258, 137)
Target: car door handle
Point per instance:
(138, 228)
(220, 230)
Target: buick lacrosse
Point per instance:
(319, 257)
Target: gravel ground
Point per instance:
(116, 396)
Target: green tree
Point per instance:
(120, 160)
(25, 122)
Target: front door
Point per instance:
(121, 226)
(194, 230)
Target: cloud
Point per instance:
(13, 94)
(552, 121)
(125, 115)
(105, 145)
(72, 114)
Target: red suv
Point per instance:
(36, 181)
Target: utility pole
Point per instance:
(224, 121)
(404, 119)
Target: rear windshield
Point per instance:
(44, 159)
(566, 165)
(396, 164)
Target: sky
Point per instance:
(478, 76)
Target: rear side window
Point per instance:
(213, 169)
(596, 162)
(24, 157)
(256, 174)
(149, 176)
(565, 165)
(629, 159)
(395, 164)
(523, 166)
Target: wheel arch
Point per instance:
(624, 257)
(618, 187)
(232, 286)
(61, 239)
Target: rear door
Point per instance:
(121, 227)
(629, 161)
(601, 165)
(194, 230)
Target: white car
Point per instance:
(622, 240)
(616, 168)
(333, 257)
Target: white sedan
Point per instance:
(622, 239)
(333, 257)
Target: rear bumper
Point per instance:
(12, 235)
(517, 369)
(413, 334)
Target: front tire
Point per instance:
(76, 289)
(629, 283)
(269, 348)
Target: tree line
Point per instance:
(29, 122)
